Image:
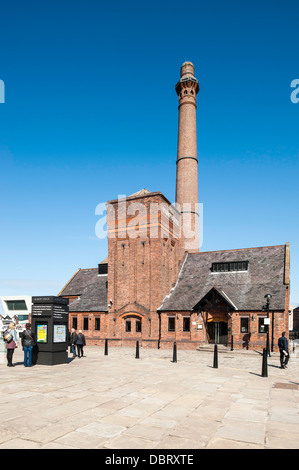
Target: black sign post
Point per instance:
(50, 318)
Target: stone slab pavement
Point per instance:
(119, 402)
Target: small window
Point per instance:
(186, 324)
(85, 323)
(97, 324)
(138, 326)
(262, 327)
(75, 323)
(171, 323)
(244, 325)
(128, 326)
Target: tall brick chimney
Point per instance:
(187, 176)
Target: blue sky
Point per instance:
(91, 112)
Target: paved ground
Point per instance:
(119, 402)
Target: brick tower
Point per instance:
(187, 176)
(143, 265)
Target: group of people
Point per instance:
(11, 343)
(28, 341)
(77, 340)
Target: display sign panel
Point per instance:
(59, 333)
(42, 333)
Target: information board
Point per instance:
(42, 333)
(59, 333)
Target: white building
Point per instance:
(15, 308)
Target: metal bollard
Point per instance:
(265, 365)
(106, 347)
(174, 353)
(215, 364)
(232, 346)
(137, 350)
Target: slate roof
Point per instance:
(246, 290)
(91, 289)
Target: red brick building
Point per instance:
(296, 319)
(155, 285)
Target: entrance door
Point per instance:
(217, 331)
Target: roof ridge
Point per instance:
(74, 275)
(238, 249)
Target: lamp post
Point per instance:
(267, 308)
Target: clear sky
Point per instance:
(91, 112)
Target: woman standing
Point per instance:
(12, 344)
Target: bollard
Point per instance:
(232, 346)
(106, 347)
(215, 364)
(137, 350)
(265, 365)
(174, 353)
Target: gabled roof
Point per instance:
(221, 293)
(91, 290)
(245, 290)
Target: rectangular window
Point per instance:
(262, 327)
(128, 326)
(186, 324)
(97, 324)
(16, 304)
(138, 326)
(75, 323)
(244, 325)
(171, 323)
(85, 323)
(232, 266)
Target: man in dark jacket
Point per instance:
(284, 350)
(73, 340)
(28, 341)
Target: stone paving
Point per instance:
(119, 402)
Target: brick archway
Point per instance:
(131, 325)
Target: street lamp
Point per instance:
(267, 308)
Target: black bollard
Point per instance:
(174, 353)
(106, 347)
(232, 347)
(215, 364)
(265, 365)
(137, 349)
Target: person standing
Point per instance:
(73, 340)
(28, 342)
(284, 350)
(11, 344)
(80, 342)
